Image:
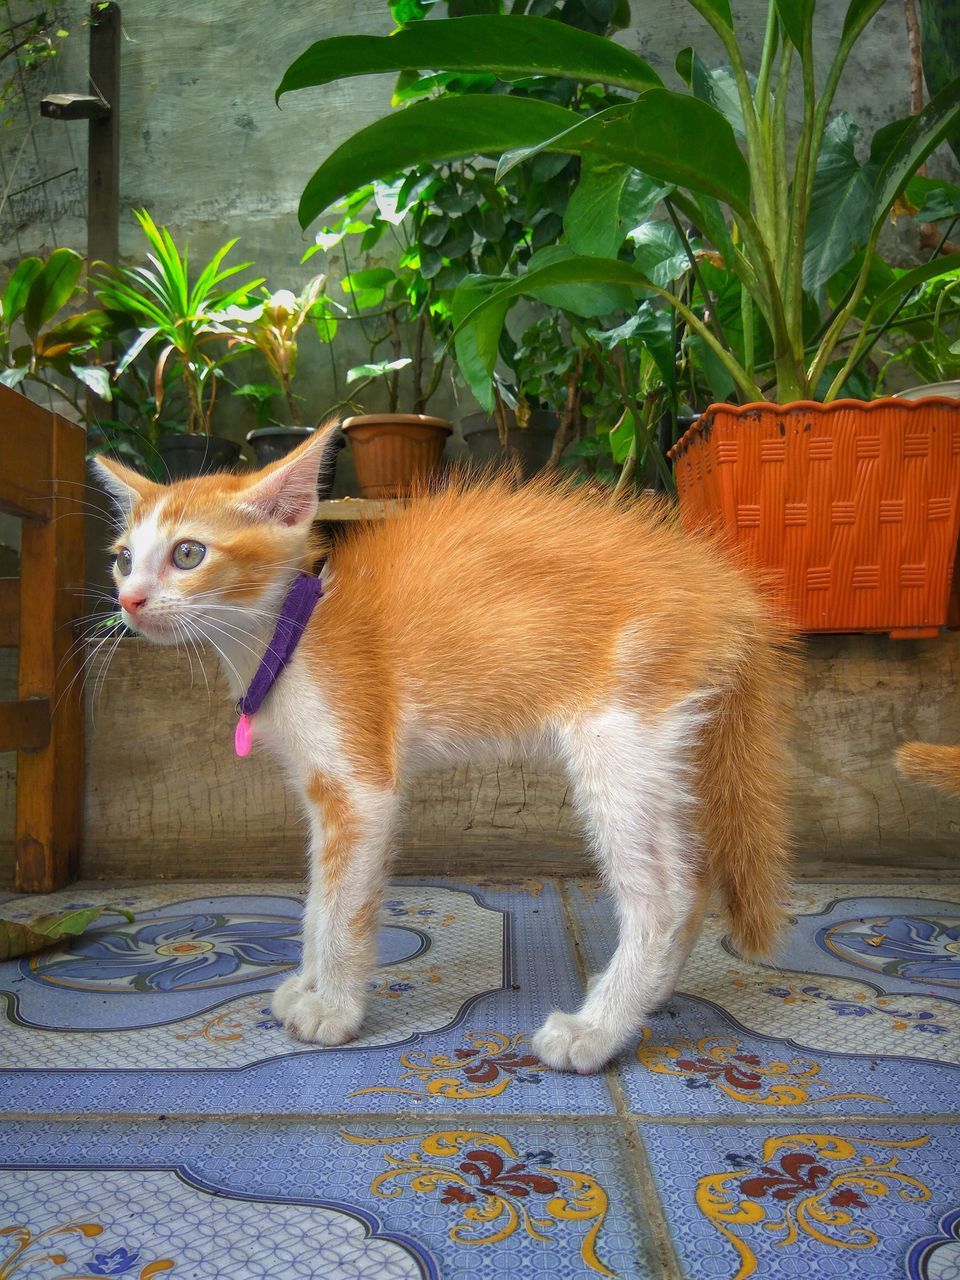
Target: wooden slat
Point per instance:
(50, 781)
(24, 725)
(9, 613)
(26, 447)
(349, 509)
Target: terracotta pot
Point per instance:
(394, 451)
(850, 511)
(531, 444)
(186, 456)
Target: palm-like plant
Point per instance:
(181, 320)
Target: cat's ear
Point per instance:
(286, 491)
(127, 487)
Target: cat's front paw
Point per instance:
(313, 1017)
(568, 1042)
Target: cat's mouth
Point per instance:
(153, 629)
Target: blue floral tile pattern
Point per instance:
(194, 1029)
(807, 1032)
(937, 1257)
(916, 948)
(794, 1118)
(317, 1200)
(837, 1201)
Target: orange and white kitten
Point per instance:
(489, 619)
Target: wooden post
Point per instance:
(42, 483)
(103, 164)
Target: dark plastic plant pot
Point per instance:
(187, 456)
(530, 445)
(271, 443)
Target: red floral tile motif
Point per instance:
(821, 1186)
(485, 1067)
(745, 1077)
(493, 1191)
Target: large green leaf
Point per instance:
(572, 269)
(841, 204)
(18, 939)
(933, 198)
(914, 143)
(797, 19)
(859, 13)
(716, 12)
(438, 130)
(659, 252)
(940, 41)
(555, 276)
(510, 47)
(609, 201)
(651, 326)
(18, 287)
(716, 85)
(670, 136)
(946, 265)
(586, 297)
(477, 344)
(52, 287)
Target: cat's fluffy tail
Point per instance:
(744, 787)
(939, 766)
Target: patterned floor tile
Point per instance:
(859, 1014)
(381, 1201)
(851, 1201)
(170, 1012)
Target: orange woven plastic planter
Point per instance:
(849, 510)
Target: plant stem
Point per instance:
(698, 275)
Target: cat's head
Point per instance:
(195, 552)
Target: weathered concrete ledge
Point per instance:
(167, 797)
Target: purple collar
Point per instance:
(301, 599)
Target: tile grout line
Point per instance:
(645, 1187)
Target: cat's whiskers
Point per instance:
(230, 671)
(231, 636)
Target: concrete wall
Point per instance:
(205, 149)
(167, 797)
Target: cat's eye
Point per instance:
(124, 562)
(187, 555)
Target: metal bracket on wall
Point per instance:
(100, 106)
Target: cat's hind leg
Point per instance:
(631, 780)
(352, 830)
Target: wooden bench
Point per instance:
(41, 482)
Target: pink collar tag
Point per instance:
(243, 736)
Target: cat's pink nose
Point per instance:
(132, 601)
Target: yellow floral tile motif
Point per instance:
(54, 1247)
(746, 1077)
(494, 1190)
(487, 1065)
(232, 1024)
(808, 1184)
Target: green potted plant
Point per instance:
(446, 220)
(178, 316)
(60, 356)
(780, 222)
(271, 327)
(923, 342)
